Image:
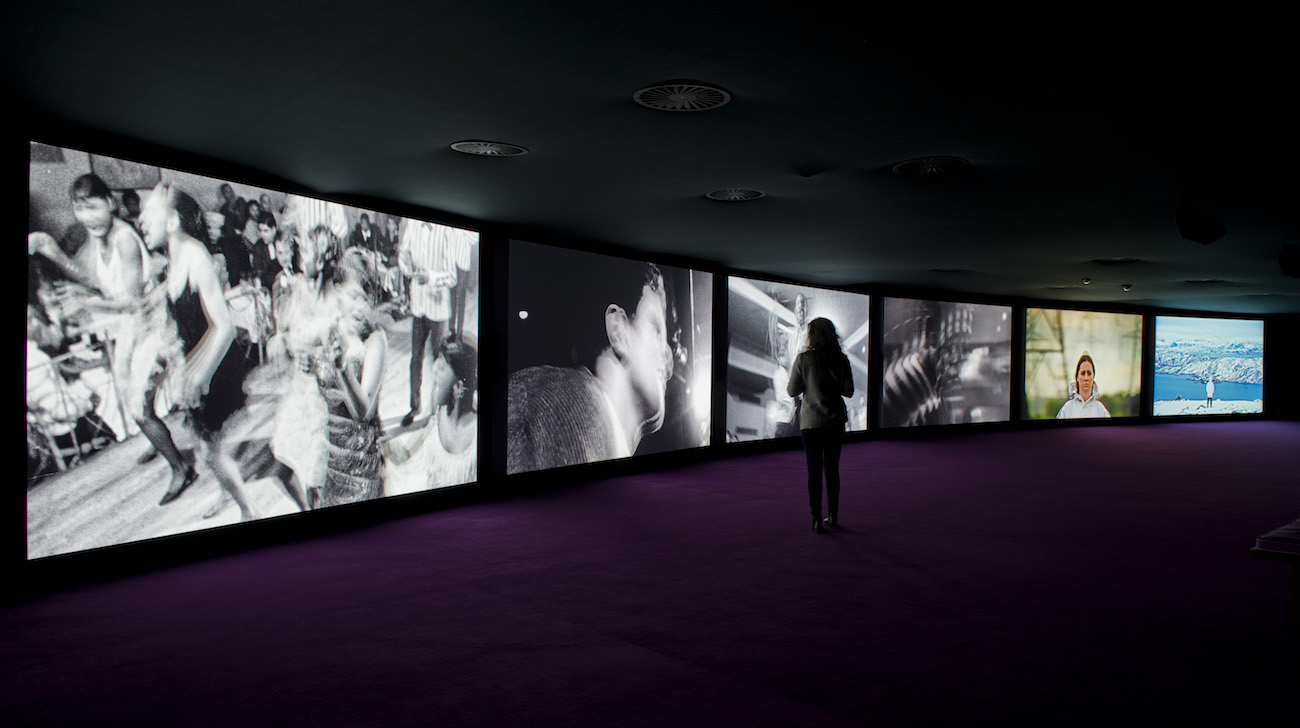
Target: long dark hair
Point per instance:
(823, 340)
(187, 210)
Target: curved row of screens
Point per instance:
(202, 352)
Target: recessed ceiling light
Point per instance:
(936, 166)
(488, 149)
(682, 96)
(736, 195)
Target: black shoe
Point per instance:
(833, 522)
(173, 493)
(409, 417)
(817, 526)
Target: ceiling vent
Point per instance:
(1117, 261)
(735, 195)
(489, 149)
(682, 96)
(931, 167)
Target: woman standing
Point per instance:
(821, 373)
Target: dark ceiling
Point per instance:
(1084, 136)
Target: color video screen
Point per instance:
(1208, 366)
(945, 363)
(607, 358)
(1082, 364)
(768, 327)
(202, 352)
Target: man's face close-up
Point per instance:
(649, 356)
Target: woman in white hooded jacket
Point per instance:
(1083, 400)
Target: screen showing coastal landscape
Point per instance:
(202, 352)
(1082, 364)
(945, 363)
(1208, 366)
(608, 357)
(767, 324)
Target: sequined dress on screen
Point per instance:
(354, 467)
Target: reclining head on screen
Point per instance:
(602, 410)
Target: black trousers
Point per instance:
(422, 329)
(822, 446)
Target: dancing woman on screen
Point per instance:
(211, 374)
(1083, 400)
(443, 452)
(127, 305)
(455, 452)
(305, 316)
(821, 373)
(349, 378)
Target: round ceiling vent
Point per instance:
(736, 195)
(682, 96)
(1117, 261)
(938, 166)
(489, 149)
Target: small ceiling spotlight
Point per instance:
(682, 96)
(736, 195)
(482, 148)
(1086, 281)
(1127, 287)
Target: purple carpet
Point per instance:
(1064, 576)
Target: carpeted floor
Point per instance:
(1071, 576)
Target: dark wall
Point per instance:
(1281, 355)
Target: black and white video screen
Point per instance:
(768, 324)
(607, 358)
(1208, 366)
(945, 363)
(202, 352)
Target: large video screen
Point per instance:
(1082, 364)
(607, 358)
(202, 352)
(767, 323)
(1208, 366)
(945, 363)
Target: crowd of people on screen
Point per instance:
(147, 307)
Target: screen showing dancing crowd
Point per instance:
(607, 358)
(201, 352)
(945, 363)
(1208, 366)
(1082, 364)
(767, 325)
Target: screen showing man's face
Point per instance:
(649, 358)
